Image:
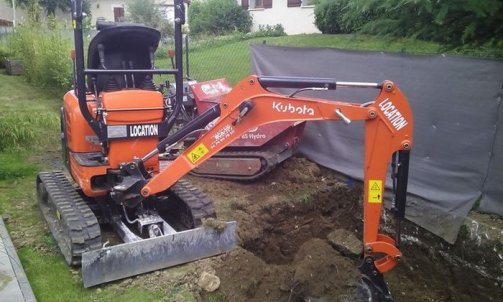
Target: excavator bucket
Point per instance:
(133, 258)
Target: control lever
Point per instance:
(132, 74)
(123, 63)
(101, 54)
(151, 55)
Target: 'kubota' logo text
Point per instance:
(304, 110)
(394, 116)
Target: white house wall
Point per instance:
(105, 8)
(295, 20)
(6, 12)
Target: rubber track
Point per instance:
(269, 157)
(198, 202)
(77, 230)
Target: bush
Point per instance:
(218, 17)
(329, 17)
(454, 23)
(269, 31)
(45, 54)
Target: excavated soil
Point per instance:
(283, 254)
(283, 221)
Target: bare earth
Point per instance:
(284, 255)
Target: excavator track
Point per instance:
(261, 163)
(184, 206)
(70, 220)
(199, 203)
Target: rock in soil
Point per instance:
(345, 242)
(209, 282)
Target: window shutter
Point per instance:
(294, 3)
(267, 3)
(244, 4)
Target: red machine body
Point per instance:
(257, 151)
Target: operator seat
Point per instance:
(124, 46)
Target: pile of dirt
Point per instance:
(317, 271)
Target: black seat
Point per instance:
(125, 46)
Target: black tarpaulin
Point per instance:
(457, 157)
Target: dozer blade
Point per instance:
(129, 259)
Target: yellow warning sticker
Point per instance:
(375, 191)
(197, 153)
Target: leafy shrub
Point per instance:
(328, 17)
(45, 54)
(218, 17)
(269, 31)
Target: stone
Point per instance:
(345, 242)
(14, 67)
(209, 282)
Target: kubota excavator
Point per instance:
(115, 129)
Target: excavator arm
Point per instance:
(388, 133)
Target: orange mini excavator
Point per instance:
(115, 128)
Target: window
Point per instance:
(298, 3)
(244, 4)
(294, 3)
(118, 14)
(260, 4)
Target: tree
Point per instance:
(50, 6)
(218, 17)
(149, 13)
